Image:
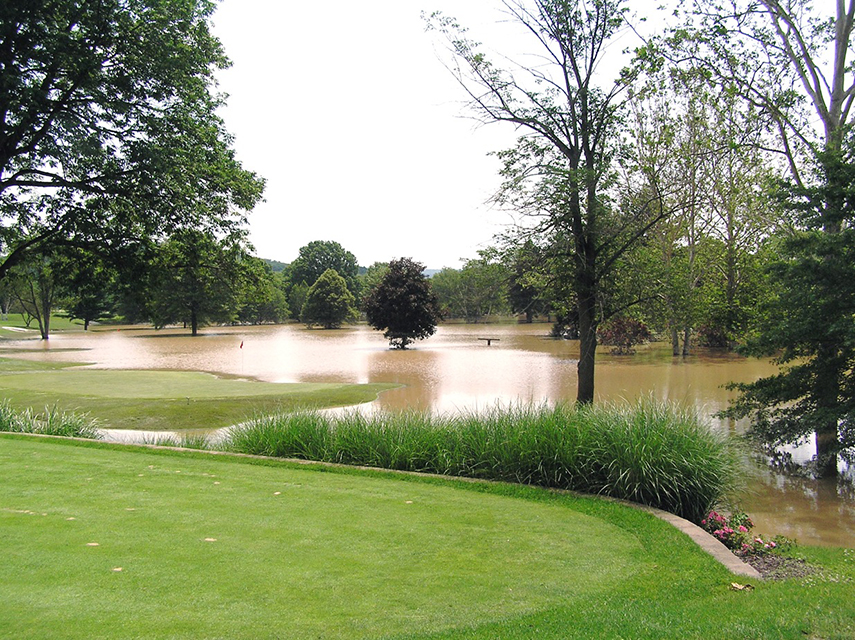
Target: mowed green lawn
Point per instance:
(105, 541)
(164, 400)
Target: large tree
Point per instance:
(196, 279)
(477, 290)
(109, 130)
(403, 304)
(34, 283)
(261, 295)
(318, 256)
(561, 169)
(329, 303)
(85, 286)
(789, 60)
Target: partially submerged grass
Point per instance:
(166, 400)
(50, 422)
(649, 452)
(191, 440)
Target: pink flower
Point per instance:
(743, 529)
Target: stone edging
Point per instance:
(706, 542)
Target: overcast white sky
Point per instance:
(347, 111)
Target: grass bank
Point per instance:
(648, 452)
(121, 542)
(164, 400)
(14, 326)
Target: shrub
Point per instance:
(623, 333)
(734, 532)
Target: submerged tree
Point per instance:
(790, 61)
(561, 171)
(403, 305)
(195, 279)
(808, 325)
(318, 256)
(328, 302)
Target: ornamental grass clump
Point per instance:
(51, 422)
(302, 434)
(648, 452)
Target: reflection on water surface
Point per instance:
(456, 370)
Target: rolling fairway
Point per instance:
(196, 545)
(165, 400)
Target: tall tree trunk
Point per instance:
(587, 308)
(587, 352)
(675, 338)
(826, 392)
(194, 323)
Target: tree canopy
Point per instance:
(318, 256)
(403, 305)
(561, 171)
(195, 280)
(109, 130)
(328, 302)
(792, 62)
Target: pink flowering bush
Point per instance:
(733, 532)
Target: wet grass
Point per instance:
(647, 452)
(164, 400)
(114, 541)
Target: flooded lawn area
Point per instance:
(459, 369)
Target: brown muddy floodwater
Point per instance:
(457, 370)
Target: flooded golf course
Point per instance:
(458, 369)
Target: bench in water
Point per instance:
(490, 340)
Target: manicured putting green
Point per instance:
(127, 543)
(165, 400)
(153, 384)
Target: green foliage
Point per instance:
(86, 286)
(33, 283)
(328, 302)
(195, 279)
(648, 453)
(370, 278)
(261, 296)
(403, 305)
(527, 291)
(296, 295)
(807, 323)
(318, 256)
(275, 265)
(110, 132)
(560, 173)
(51, 422)
(475, 291)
